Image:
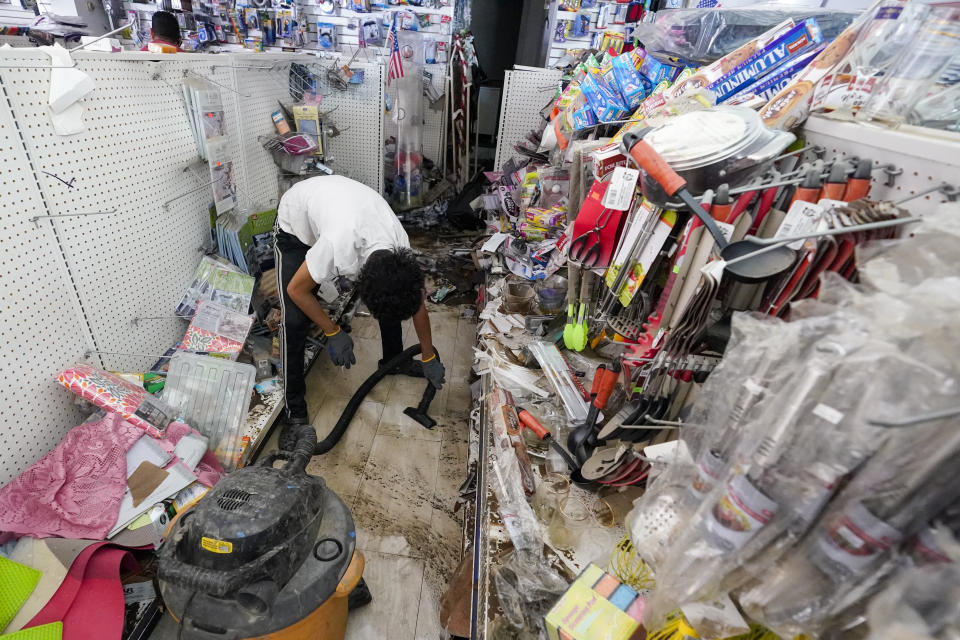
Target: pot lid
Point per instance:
(702, 137)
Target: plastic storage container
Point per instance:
(212, 395)
(551, 294)
(518, 297)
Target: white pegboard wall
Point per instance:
(358, 151)
(357, 112)
(42, 329)
(434, 116)
(77, 283)
(927, 157)
(525, 93)
(137, 261)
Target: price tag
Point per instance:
(619, 193)
(828, 413)
(726, 229)
(803, 217)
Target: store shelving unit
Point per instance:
(526, 90)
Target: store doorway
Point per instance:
(496, 27)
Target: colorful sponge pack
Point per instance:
(597, 606)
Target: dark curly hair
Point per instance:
(391, 284)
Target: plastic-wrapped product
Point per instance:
(844, 558)
(713, 430)
(706, 35)
(878, 45)
(213, 396)
(919, 604)
(916, 69)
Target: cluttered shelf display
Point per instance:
(720, 390)
(335, 26)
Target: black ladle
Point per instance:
(763, 266)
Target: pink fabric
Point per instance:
(90, 599)
(75, 490)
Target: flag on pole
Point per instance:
(396, 62)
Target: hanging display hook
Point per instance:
(137, 320)
(191, 72)
(166, 205)
(70, 215)
(769, 244)
(892, 173)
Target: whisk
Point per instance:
(627, 565)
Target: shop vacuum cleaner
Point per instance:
(270, 553)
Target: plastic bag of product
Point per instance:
(526, 592)
(919, 603)
(730, 394)
(705, 35)
(939, 110)
(875, 51)
(845, 557)
(916, 70)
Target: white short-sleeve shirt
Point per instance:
(342, 220)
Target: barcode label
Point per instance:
(620, 192)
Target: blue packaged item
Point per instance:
(629, 81)
(584, 117)
(580, 26)
(796, 42)
(657, 70)
(606, 104)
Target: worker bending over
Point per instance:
(332, 230)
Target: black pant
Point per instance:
(290, 253)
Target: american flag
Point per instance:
(396, 62)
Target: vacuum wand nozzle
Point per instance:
(419, 412)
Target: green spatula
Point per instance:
(578, 335)
(573, 275)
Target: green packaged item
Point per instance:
(153, 382)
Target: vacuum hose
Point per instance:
(346, 417)
(300, 441)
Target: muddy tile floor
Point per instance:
(400, 480)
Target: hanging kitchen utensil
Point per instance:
(858, 186)
(580, 331)
(586, 248)
(573, 277)
(775, 262)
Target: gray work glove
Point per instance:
(434, 371)
(340, 348)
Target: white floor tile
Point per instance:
(393, 507)
(395, 583)
(342, 467)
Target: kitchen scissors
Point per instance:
(581, 250)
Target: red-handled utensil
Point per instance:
(858, 186)
(836, 184)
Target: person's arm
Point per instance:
(421, 322)
(301, 289)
